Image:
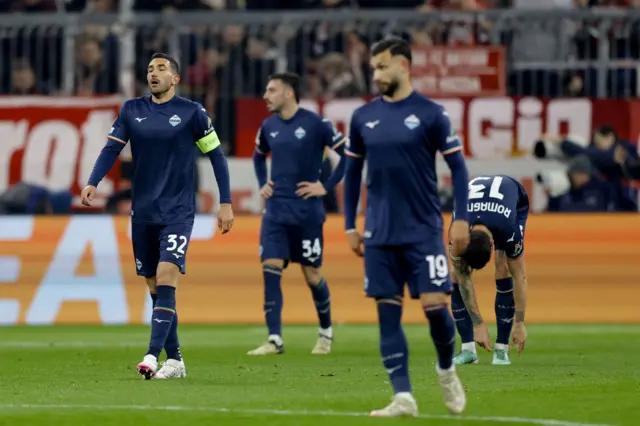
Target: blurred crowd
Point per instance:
(546, 56)
(225, 61)
(602, 174)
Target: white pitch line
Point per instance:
(64, 345)
(17, 344)
(293, 413)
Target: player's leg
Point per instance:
(274, 254)
(505, 303)
(174, 242)
(306, 246)
(146, 249)
(151, 284)
(322, 300)
(505, 309)
(429, 279)
(172, 346)
(468, 353)
(384, 283)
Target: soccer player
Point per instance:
(163, 129)
(399, 135)
(498, 209)
(294, 211)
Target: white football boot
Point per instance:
(273, 346)
(148, 367)
(323, 345)
(454, 397)
(402, 405)
(172, 369)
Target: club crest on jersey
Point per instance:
(300, 133)
(175, 120)
(411, 122)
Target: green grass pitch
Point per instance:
(568, 376)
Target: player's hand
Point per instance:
(620, 155)
(518, 337)
(267, 190)
(459, 236)
(481, 335)
(87, 195)
(307, 190)
(355, 242)
(225, 218)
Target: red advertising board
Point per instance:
(54, 141)
(459, 71)
(490, 127)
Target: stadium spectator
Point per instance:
(94, 75)
(162, 5)
(575, 84)
(588, 192)
(611, 157)
(24, 80)
(25, 198)
(391, 4)
(199, 80)
(34, 6)
(338, 80)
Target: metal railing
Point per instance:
(224, 55)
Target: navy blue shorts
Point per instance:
(514, 245)
(424, 267)
(523, 209)
(292, 243)
(154, 243)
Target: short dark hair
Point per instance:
(607, 130)
(290, 79)
(395, 45)
(171, 59)
(479, 250)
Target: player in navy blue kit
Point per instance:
(294, 211)
(498, 209)
(399, 135)
(163, 130)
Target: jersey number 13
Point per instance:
(477, 190)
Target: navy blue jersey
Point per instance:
(399, 141)
(297, 148)
(500, 203)
(162, 138)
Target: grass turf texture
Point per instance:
(568, 376)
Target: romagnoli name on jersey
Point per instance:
(488, 206)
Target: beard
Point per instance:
(160, 90)
(275, 108)
(390, 90)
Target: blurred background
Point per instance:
(543, 90)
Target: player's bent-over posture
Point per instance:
(294, 211)
(498, 209)
(399, 135)
(162, 129)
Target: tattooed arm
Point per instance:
(462, 275)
